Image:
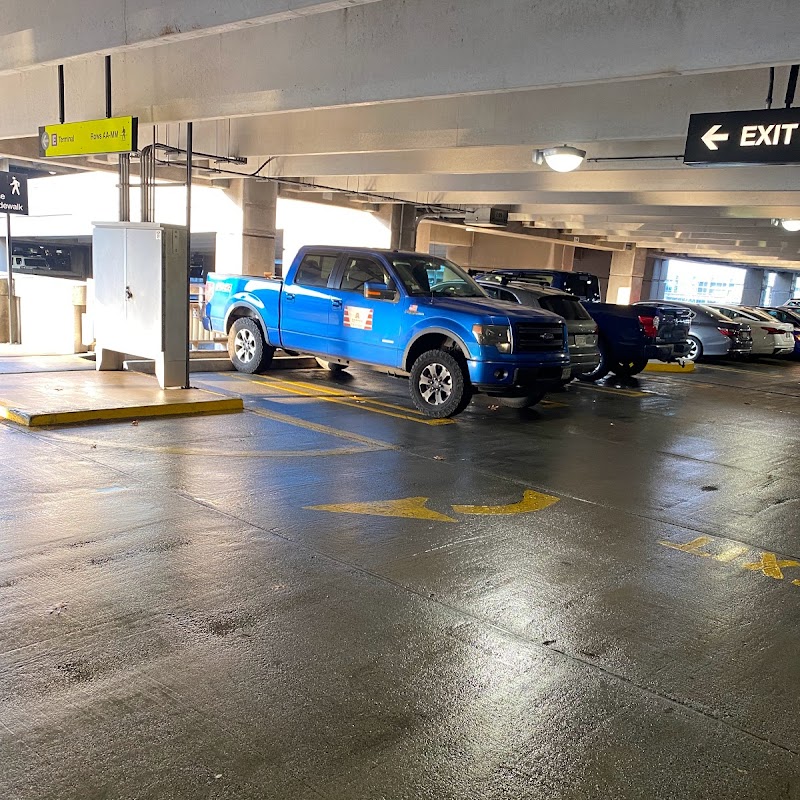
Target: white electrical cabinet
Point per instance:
(141, 301)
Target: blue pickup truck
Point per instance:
(403, 313)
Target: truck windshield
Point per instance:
(422, 275)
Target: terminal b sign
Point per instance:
(768, 136)
(90, 137)
(13, 193)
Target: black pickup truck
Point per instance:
(629, 336)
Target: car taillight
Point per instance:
(649, 326)
(773, 331)
(209, 292)
(728, 332)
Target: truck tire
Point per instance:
(330, 366)
(603, 367)
(439, 384)
(629, 368)
(526, 401)
(246, 346)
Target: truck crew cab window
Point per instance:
(359, 271)
(314, 270)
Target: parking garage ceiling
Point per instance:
(436, 102)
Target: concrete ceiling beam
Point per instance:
(405, 51)
(37, 32)
(730, 180)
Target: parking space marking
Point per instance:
(405, 508)
(364, 444)
(531, 501)
(329, 395)
(770, 565)
(416, 507)
(320, 428)
(724, 368)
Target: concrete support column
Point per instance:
(252, 250)
(626, 276)
(404, 217)
(753, 286)
(782, 290)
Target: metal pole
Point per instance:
(12, 316)
(189, 143)
(125, 187)
(61, 114)
(108, 87)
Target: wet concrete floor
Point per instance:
(328, 597)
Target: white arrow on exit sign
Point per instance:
(711, 137)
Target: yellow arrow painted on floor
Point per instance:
(406, 508)
(531, 501)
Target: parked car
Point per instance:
(790, 315)
(581, 284)
(584, 354)
(29, 262)
(793, 303)
(711, 333)
(770, 337)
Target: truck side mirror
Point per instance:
(379, 291)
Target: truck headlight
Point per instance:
(498, 336)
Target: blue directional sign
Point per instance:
(766, 136)
(13, 193)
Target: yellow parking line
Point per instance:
(319, 428)
(346, 399)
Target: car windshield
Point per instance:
(757, 313)
(791, 317)
(423, 275)
(565, 306)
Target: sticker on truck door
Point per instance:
(360, 318)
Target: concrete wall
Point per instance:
(476, 249)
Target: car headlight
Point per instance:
(498, 336)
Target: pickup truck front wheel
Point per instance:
(246, 346)
(439, 384)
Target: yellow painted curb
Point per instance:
(660, 366)
(34, 420)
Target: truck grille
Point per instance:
(531, 338)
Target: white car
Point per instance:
(770, 337)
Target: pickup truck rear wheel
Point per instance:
(246, 346)
(439, 384)
(630, 368)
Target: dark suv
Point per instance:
(584, 355)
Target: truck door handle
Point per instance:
(336, 302)
(288, 296)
